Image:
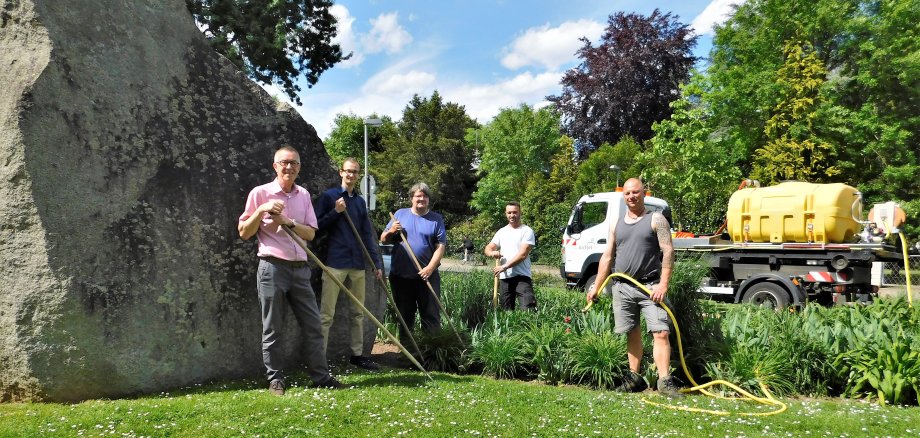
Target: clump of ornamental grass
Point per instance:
(596, 321)
(598, 360)
(749, 367)
(772, 347)
(546, 344)
(499, 348)
(442, 350)
(467, 296)
(700, 335)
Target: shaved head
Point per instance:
(632, 183)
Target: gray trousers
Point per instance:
(281, 286)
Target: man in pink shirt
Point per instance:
(283, 275)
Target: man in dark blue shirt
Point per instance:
(345, 257)
(427, 237)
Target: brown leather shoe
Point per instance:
(276, 387)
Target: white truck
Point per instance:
(752, 262)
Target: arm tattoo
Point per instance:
(660, 225)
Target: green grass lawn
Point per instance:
(405, 403)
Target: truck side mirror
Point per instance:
(577, 224)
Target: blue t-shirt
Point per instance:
(424, 234)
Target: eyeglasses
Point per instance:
(350, 172)
(286, 163)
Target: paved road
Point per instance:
(456, 265)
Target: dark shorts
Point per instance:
(629, 301)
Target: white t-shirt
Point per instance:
(509, 242)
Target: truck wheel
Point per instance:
(608, 291)
(766, 294)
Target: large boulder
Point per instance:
(127, 149)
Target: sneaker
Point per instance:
(276, 387)
(330, 383)
(667, 386)
(364, 362)
(632, 382)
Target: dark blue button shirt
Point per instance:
(344, 250)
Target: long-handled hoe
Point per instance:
(354, 300)
(383, 281)
(495, 286)
(430, 287)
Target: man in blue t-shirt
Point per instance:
(428, 239)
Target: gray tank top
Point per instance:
(638, 254)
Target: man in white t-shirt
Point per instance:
(512, 245)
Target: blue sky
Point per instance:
(482, 54)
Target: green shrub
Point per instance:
(467, 296)
(748, 367)
(883, 362)
(443, 351)
(499, 349)
(762, 336)
(700, 336)
(546, 346)
(598, 360)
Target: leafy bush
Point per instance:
(599, 360)
(700, 336)
(467, 296)
(500, 349)
(762, 336)
(883, 361)
(546, 346)
(748, 367)
(442, 351)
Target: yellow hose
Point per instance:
(767, 400)
(910, 299)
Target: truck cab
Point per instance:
(585, 235)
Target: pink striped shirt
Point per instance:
(273, 241)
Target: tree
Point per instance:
(687, 167)
(548, 201)
(516, 146)
(347, 137)
(793, 150)
(624, 85)
(595, 175)
(272, 41)
(427, 146)
(872, 91)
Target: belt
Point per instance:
(643, 280)
(289, 263)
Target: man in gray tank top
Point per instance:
(639, 245)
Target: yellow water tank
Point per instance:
(794, 212)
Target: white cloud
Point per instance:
(346, 37)
(386, 34)
(715, 13)
(401, 84)
(388, 92)
(550, 47)
(484, 101)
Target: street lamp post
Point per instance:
(616, 169)
(365, 186)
